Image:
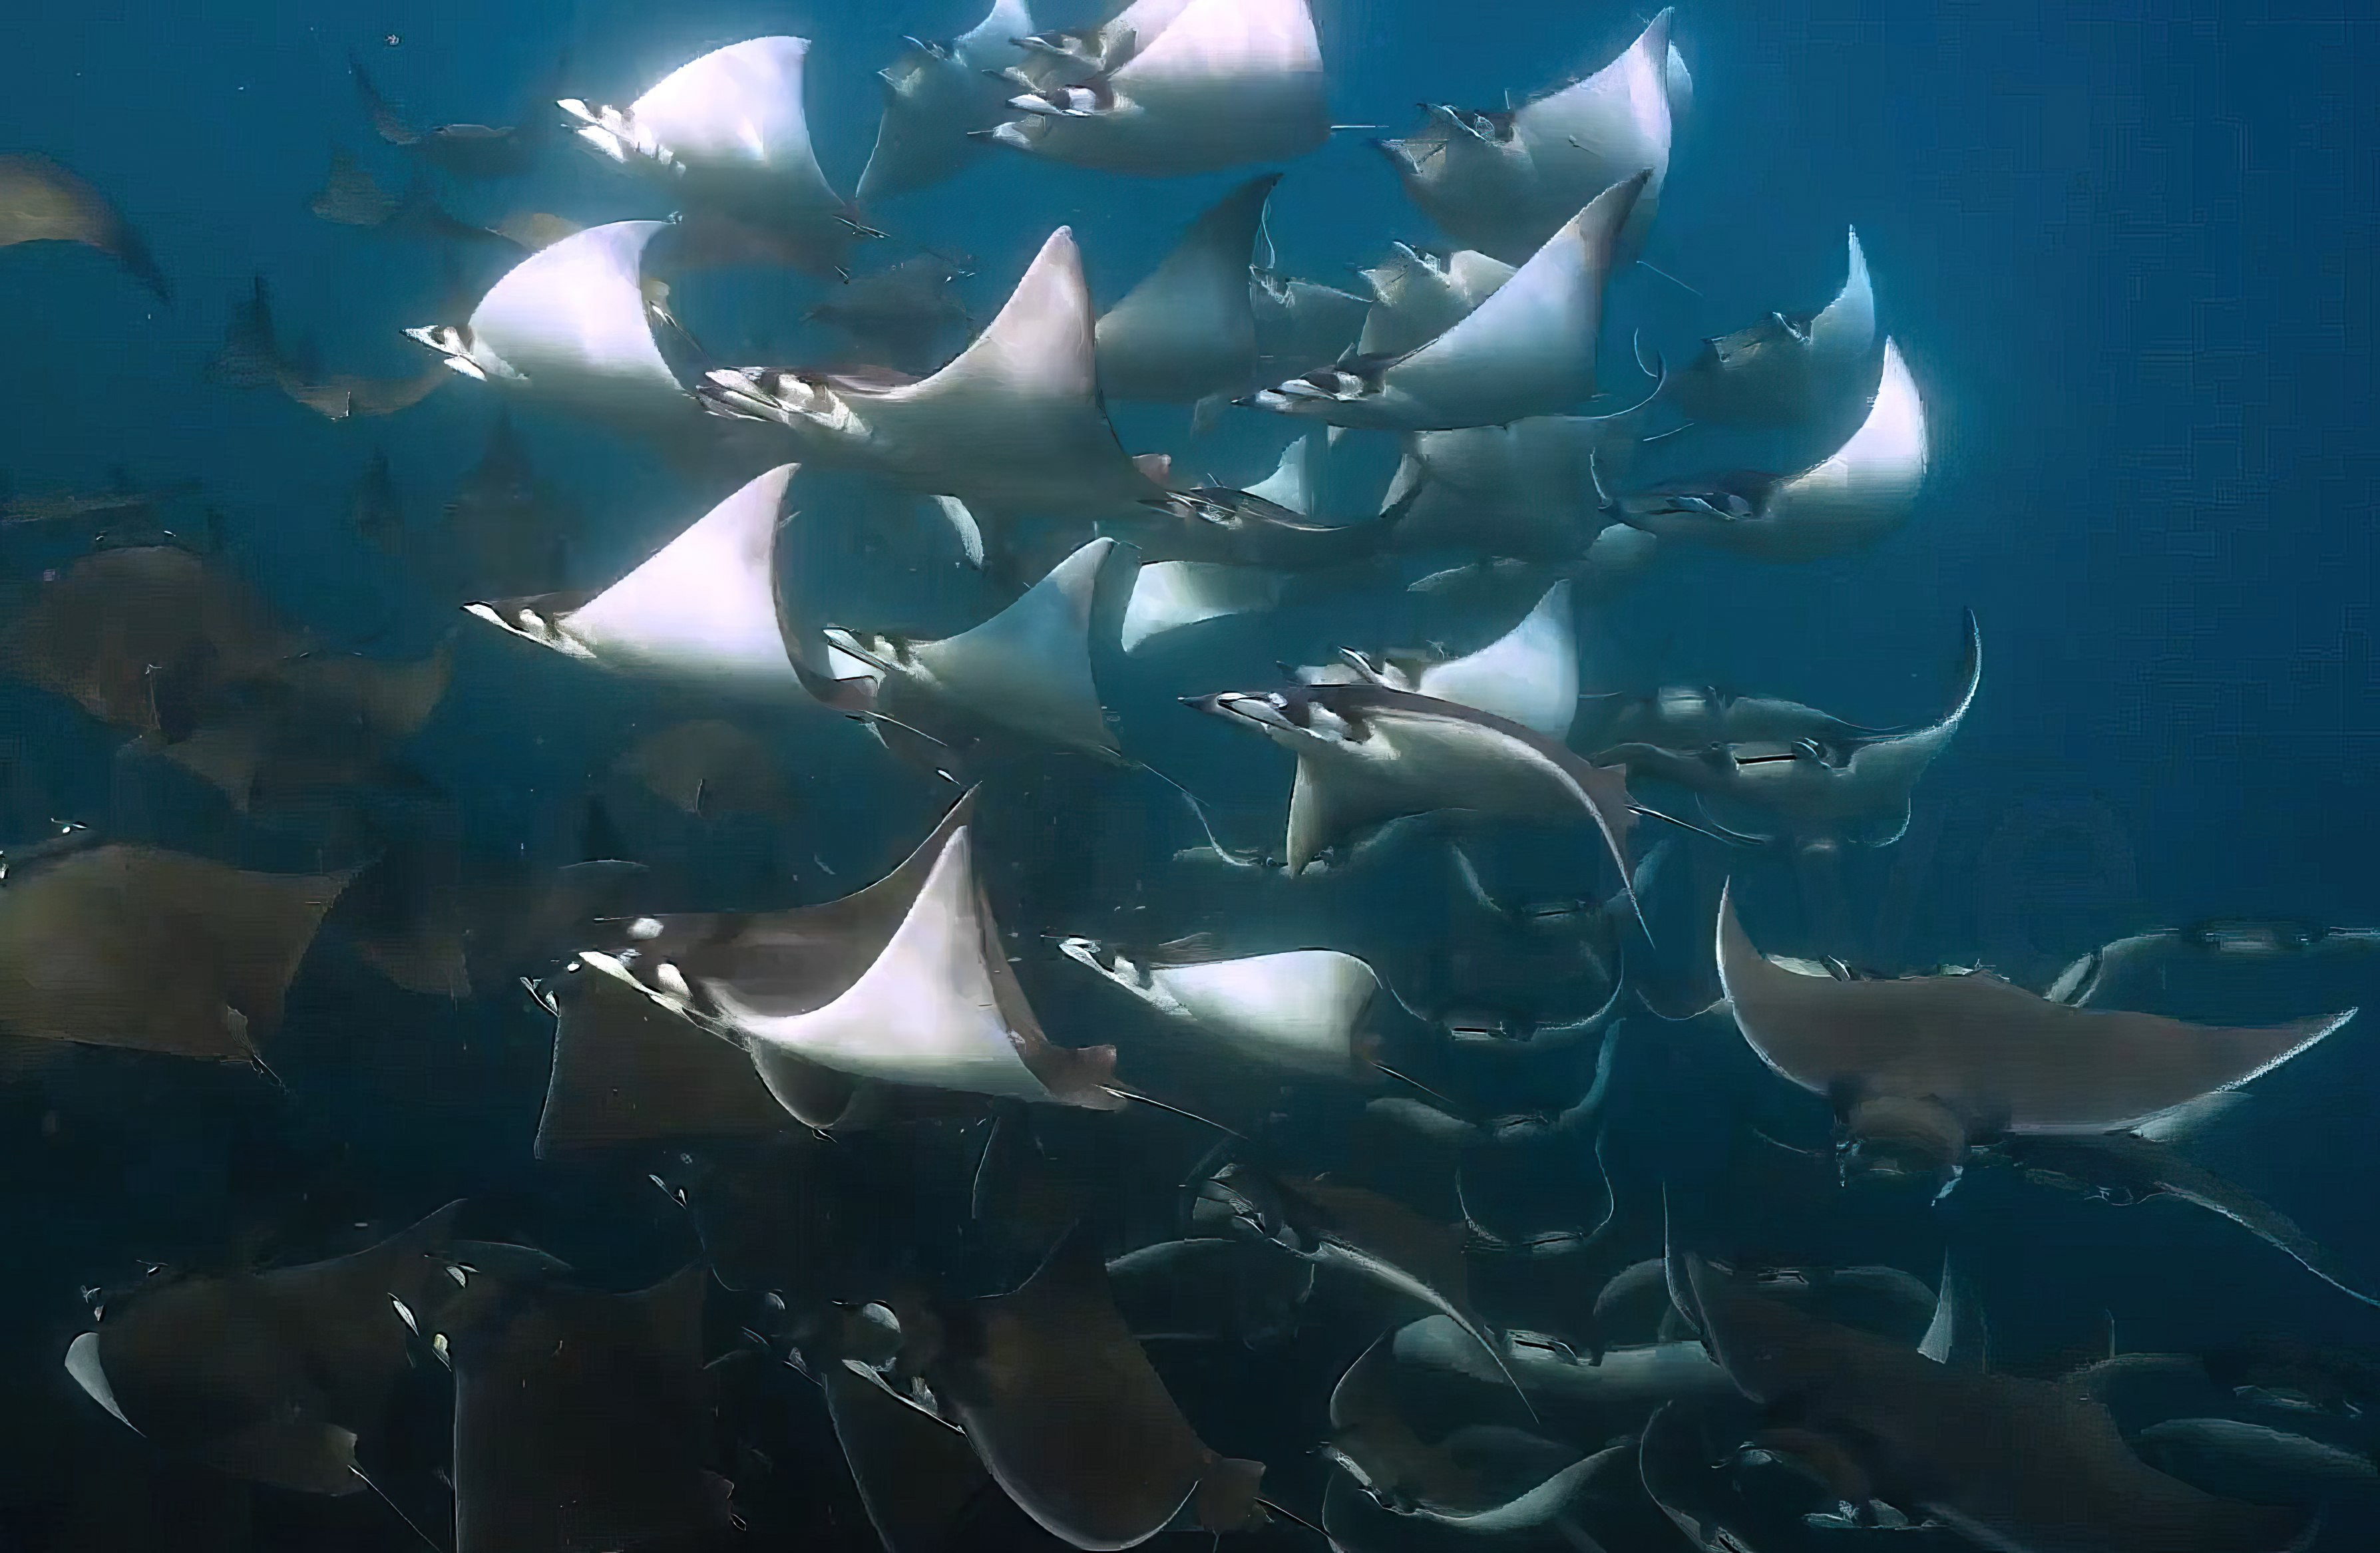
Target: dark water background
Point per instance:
(2131, 263)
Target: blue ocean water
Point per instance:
(2128, 260)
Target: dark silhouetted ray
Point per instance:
(141, 637)
(40, 202)
(2027, 1465)
(707, 769)
(1996, 1055)
(272, 1376)
(1368, 754)
(625, 1070)
(916, 1475)
(1065, 1409)
(154, 950)
(582, 1422)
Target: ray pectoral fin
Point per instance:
(554, 1370)
(1028, 668)
(1325, 809)
(2139, 1167)
(626, 1069)
(1103, 1465)
(1137, 1098)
